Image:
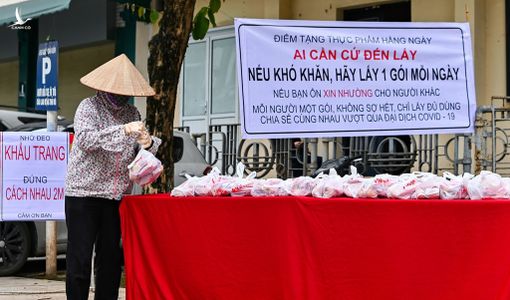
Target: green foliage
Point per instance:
(203, 18)
(142, 13)
(154, 16)
(200, 24)
(214, 5)
(210, 14)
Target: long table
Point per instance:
(308, 248)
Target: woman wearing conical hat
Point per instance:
(108, 134)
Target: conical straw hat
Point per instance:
(118, 76)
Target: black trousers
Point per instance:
(93, 221)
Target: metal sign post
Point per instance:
(47, 83)
(51, 226)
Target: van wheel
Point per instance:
(14, 246)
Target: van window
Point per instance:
(178, 148)
(26, 120)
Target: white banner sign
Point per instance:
(34, 167)
(324, 79)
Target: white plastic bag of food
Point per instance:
(382, 182)
(302, 186)
(488, 185)
(151, 177)
(185, 189)
(234, 186)
(454, 187)
(505, 182)
(360, 188)
(203, 185)
(197, 186)
(145, 168)
(328, 186)
(356, 186)
(427, 186)
(270, 187)
(404, 188)
(223, 186)
(243, 186)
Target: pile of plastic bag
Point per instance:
(214, 184)
(417, 185)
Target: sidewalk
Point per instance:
(20, 288)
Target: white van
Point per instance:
(13, 118)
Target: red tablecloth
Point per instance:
(306, 248)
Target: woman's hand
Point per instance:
(134, 128)
(145, 140)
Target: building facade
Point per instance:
(209, 91)
(208, 84)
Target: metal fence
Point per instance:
(491, 138)
(222, 147)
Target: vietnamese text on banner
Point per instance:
(325, 79)
(34, 167)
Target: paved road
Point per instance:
(22, 288)
(26, 287)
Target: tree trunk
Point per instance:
(167, 49)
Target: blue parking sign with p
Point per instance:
(47, 76)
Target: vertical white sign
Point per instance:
(34, 167)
